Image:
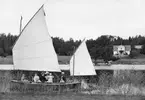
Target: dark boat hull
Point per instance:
(43, 88)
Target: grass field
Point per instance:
(67, 97)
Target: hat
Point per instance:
(46, 72)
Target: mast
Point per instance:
(20, 29)
(73, 62)
(21, 24)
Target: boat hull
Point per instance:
(43, 88)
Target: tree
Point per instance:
(104, 40)
(1, 52)
(104, 47)
(134, 53)
(143, 49)
(95, 53)
(107, 53)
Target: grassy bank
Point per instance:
(123, 82)
(67, 97)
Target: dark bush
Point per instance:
(134, 53)
(114, 58)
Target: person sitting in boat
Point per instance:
(36, 78)
(42, 77)
(46, 76)
(46, 73)
(23, 78)
(63, 78)
(50, 78)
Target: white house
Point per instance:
(121, 50)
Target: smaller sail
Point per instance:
(81, 63)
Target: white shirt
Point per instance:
(36, 78)
(50, 78)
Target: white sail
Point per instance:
(34, 48)
(81, 63)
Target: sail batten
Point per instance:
(34, 49)
(80, 63)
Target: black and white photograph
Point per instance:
(72, 49)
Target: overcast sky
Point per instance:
(78, 18)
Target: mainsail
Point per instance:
(80, 63)
(34, 49)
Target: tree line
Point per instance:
(6, 44)
(99, 48)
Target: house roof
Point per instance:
(127, 47)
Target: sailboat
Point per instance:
(81, 63)
(34, 51)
